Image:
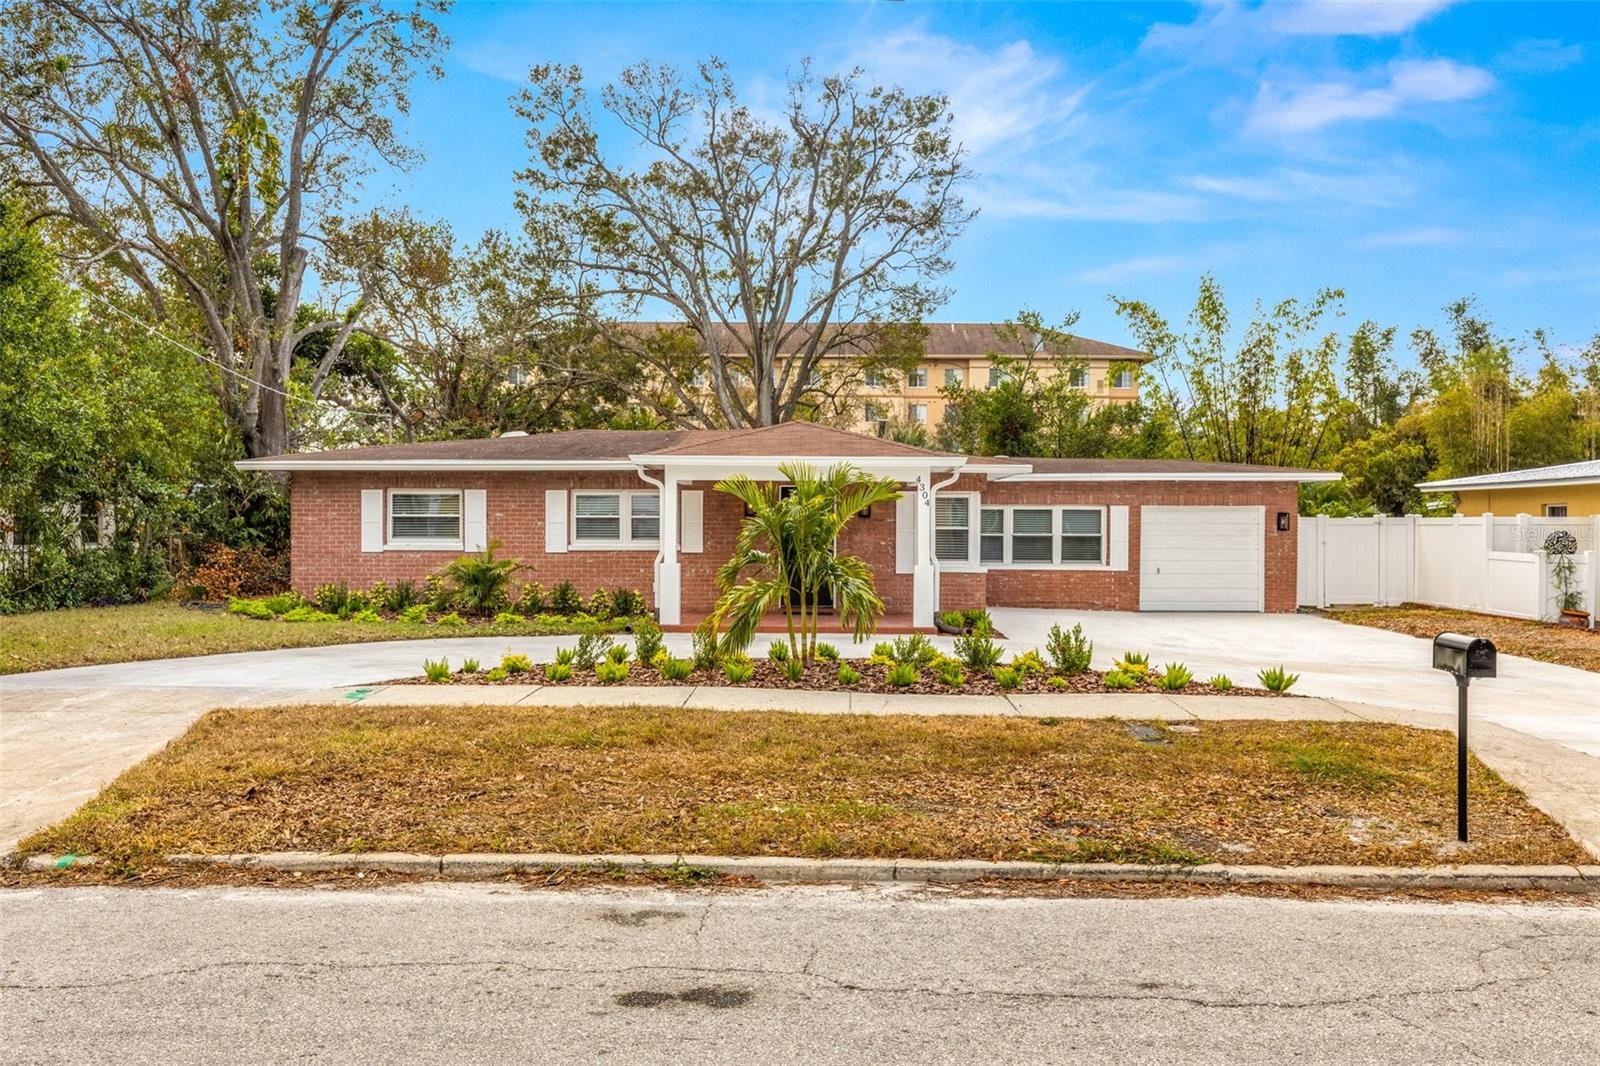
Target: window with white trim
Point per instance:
(1036, 537)
(873, 379)
(952, 528)
(1122, 379)
(616, 519)
(917, 412)
(430, 519)
(1079, 377)
(918, 378)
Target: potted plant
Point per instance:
(1569, 600)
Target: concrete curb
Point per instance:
(487, 865)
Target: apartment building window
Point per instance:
(516, 375)
(874, 379)
(1079, 378)
(997, 376)
(952, 377)
(917, 412)
(918, 378)
(1122, 379)
(874, 417)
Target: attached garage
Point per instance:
(1202, 559)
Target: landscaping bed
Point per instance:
(1545, 641)
(652, 780)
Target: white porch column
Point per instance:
(924, 584)
(669, 573)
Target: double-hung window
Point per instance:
(952, 377)
(918, 378)
(992, 535)
(425, 519)
(1082, 535)
(1079, 377)
(1042, 536)
(616, 519)
(1122, 379)
(1031, 535)
(952, 529)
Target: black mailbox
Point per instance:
(1463, 656)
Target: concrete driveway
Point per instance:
(1333, 659)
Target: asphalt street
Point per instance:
(478, 973)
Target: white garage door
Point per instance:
(1202, 558)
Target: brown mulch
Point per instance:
(669, 780)
(823, 676)
(1545, 641)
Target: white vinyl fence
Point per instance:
(1497, 565)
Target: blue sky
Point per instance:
(1410, 153)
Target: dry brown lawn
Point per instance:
(521, 779)
(1545, 641)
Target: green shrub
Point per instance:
(677, 669)
(530, 600)
(366, 616)
(1118, 679)
(949, 673)
(378, 595)
(509, 618)
(778, 651)
(333, 597)
(849, 676)
(901, 674)
(1070, 651)
(883, 650)
(647, 639)
(973, 616)
(1174, 678)
(738, 671)
(1008, 676)
(600, 604)
(1135, 663)
(1057, 683)
(703, 648)
(566, 656)
(283, 602)
(415, 615)
(1221, 683)
(1276, 680)
(609, 671)
(481, 582)
(627, 603)
(450, 621)
(496, 674)
(516, 664)
(954, 619)
(1029, 662)
(794, 669)
(978, 649)
(564, 599)
(827, 652)
(436, 669)
(592, 647)
(915, 649)
(251, 609)
(618, 653)
(468, 666)
(660, 657)
(401, 597)
(309, 614)
(558, 671)
(437, 593)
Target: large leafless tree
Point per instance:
(202, 147)
(775, 239)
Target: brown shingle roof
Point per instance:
(800, 439)
(574, 445)
(961, 339)
(1158, 466)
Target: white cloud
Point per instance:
(1351, 18)
(1420, 237)
(1128, 269)
(1379, 185)
(1305, 108)
(1224, 32)
(1540, 55)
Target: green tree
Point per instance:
(787, 555)
(776, 241)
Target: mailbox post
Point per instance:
(1466, 658)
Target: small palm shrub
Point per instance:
(469, 666)
(953, 619)
(1007, 676)
(949, 673)
(1174, 678)
(915, 649)
(618, 653)
(450, 621)
(1135, 663)
(827, 652)
(1118, 679)
(1221, 683)
(778, 651)
(977, 616)
(677, 669)
(901, 674)
(509, 618)
(610, 671)
(566, 656)
(558, 671)
(646, 639)
(1070, 651)
(415, 615)
(626, 603)
(794, 669)
(481, 582)
(564, 599)
(516, 664)
(436, 669)
(849, 676)
(531, 599)
(496, 674)
(592, 647)
(600, 604)
(1276, 680)
(977, 649)
(738, 671)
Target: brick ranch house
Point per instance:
(609, 508)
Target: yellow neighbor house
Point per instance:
(1571, 490)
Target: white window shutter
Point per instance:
(691, 514)
(372, 520)
(1119, 538)
(905, 527)
(475, 524)
(555, 521)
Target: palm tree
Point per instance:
(787, 553)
